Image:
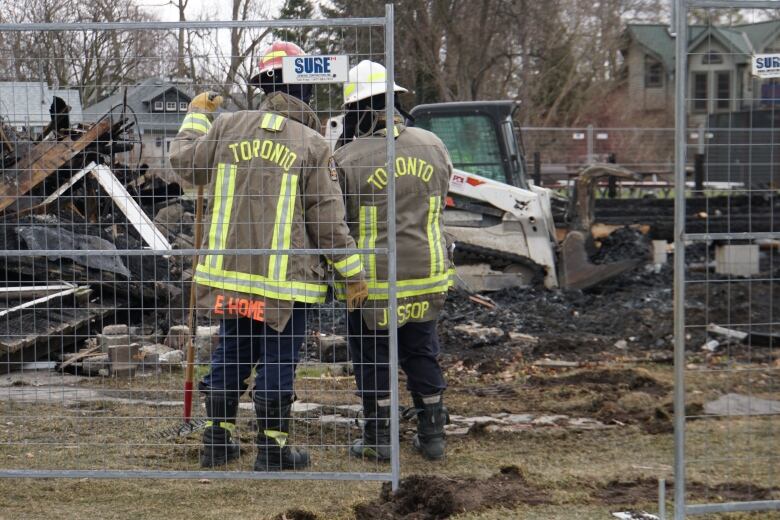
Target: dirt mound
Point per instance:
(644, 490)
(613, 396)
(607, 380)
(432, 497)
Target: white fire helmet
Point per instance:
(366, 79)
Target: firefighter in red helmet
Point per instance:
(270, 188)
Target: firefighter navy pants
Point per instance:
(418, 351)
(244, 344)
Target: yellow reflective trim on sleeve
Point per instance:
(404, 288)
(197, 116)
(434, 236)
(266, 122)
(279, 437)
(190, 125)
(274, 54)
(349, 266)
(259, 285)
(196, 121)
(285, 207)
(278, 122)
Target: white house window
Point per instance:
(158, 106)
(158, 142)
(700, 94)
(170, 106)
(712, 58)
(654, 73)
(183, 106)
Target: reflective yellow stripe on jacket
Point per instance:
(196, 121)
(260, 285)
(273, 122)
(285, 207)
(220, 214)
(404, 288)
(211, 272)
(434, 236)
(349, 266)
(367, 237)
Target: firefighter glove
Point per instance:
(357, 292)
(208, 101)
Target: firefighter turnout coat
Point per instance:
(269, 188)
(423, 265)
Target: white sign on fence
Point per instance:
(766, 65)
(315, 69)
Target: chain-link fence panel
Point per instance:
(176, 252)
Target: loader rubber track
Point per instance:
(499, 260)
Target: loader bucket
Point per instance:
(576, 271)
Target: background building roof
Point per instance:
(139, 98)
(26, 103)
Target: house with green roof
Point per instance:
(719, 75)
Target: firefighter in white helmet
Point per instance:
(270, 188)
(424, 267)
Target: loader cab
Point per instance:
(480, 136)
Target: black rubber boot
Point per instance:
(218, 447)
(273, 428)
(375, 443)
(431, 418)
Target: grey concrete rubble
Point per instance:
(480, 334)
(331, 348)
(739, 404)
(206, 340)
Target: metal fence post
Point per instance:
(681, 49)
(391, 249)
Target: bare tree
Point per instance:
(98, 62)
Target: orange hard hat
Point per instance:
(271, 57)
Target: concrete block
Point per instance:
(332, 348)
(737, 260)
(178, 337)
(113, 340)
(116, 330)
(151, 354)
(660, 252)
(124, 359)
(206, 340)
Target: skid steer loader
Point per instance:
(503, 226)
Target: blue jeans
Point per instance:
(245, 343)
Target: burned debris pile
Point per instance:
(78, 221)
